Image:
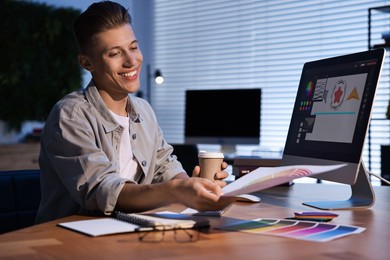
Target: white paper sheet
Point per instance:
(266, 177)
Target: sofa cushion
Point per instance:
(20, 195)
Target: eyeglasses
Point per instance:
(180, 235)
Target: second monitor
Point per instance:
(227, 117)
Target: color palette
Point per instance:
(309, 88)
(297, 229)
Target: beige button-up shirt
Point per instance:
(79, 158)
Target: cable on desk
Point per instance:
(379, 177)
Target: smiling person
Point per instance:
(101, 148)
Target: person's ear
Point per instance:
(85, 62)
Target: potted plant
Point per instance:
(38, 62)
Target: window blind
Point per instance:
(250, 44)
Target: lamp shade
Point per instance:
(158, 77)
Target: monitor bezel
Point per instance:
(220, 100)
(322, 153)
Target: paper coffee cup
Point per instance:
(210, 163)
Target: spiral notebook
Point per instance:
(124, 223)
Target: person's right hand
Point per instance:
(201, 194)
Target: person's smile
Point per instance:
(131, 75)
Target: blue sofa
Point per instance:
(20, 194)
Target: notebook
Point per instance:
(124, 223)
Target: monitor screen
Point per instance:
(223, 116)
(332, 112)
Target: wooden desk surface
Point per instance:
(47, 241)
(19, 156)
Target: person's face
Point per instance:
(114, 61)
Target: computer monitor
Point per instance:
(330, 119)
(227, 117)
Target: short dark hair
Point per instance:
(99, 17)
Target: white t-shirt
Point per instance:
(127, 162)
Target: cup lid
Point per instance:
(204, 154)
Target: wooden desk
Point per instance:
(22, 156)
(47, 241)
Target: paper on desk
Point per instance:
(266, 177)
(108, 226)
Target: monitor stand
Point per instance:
(228, 150)
(362, 195)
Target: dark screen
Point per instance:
(224, 116)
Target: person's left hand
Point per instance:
(219, 177)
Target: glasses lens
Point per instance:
(180, 235)
(186, 235)
(151, 236)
